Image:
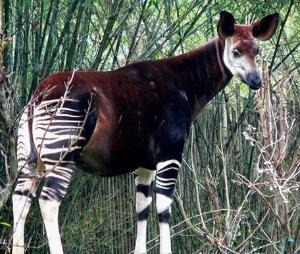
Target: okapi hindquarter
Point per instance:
(136, 118)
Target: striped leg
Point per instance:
(22, 198)
(59, 139)
(171, 137)
(165, 184)
(143, 181)
(25, 188)
(54, 189)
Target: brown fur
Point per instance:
(129, 103)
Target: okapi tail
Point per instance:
(27, 154)
(26, 151)
(33, 156)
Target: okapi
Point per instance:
(136, 118)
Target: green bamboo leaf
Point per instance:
(5, 224)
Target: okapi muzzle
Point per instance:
(253, 79)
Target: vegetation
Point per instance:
(238, 190)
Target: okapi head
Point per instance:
(241, 48)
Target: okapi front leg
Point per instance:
(143, 182)
(171, 137)
(165, 186)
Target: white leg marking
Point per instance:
(142, 202)
(49, 209)
(140, 244)
(165, 238)
(162, 203)
(145, 176)
(22, 203)
(21, 206)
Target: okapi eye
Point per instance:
(236, 53)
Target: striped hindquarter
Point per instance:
(26, 184)
(59, 129)
(58, 136)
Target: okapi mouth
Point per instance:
(254, 85)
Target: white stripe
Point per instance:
(49, 101)
(63, 130)
(160, 184)
(42, 128)
(53, 109)
(61, 121)
(163, 187)
(73, 110)
(68, 115)
(42, 117)
(55, 161)
(166, 169)
(169, 185)
(63, 169)
(161, 165)
(45, 103)
(46, 151)
(58, 138)
(66, 177)
(165, 179)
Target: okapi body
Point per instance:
(136, 118)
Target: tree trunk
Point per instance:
(6, 117)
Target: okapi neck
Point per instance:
(201, 73)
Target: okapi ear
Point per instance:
(226, 24)
(265, 28)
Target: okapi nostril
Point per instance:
(253, 80)
(256, 81)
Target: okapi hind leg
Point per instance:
(144, 183)
(59, 169)
(61, 133)
(26, 184)
(22, 198)
(53, 191)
